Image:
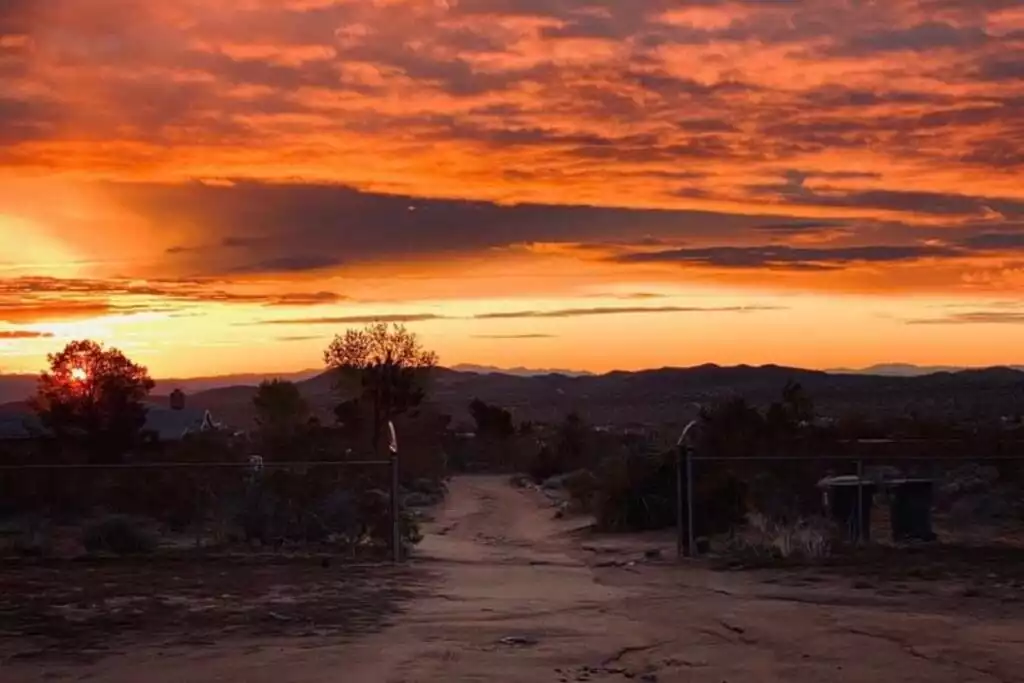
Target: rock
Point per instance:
(417, 499)
(650, 677)
(519, 481)
(610, 563)
(554, 483)
(428, 486)
(518, 641)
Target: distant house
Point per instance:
(19, 423)
(21, 434)
(176, 420)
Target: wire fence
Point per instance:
(350, 508)
(867, 494)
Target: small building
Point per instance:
(22, 435)
(176, 420)
(17, 424)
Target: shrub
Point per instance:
(637, 492)
(119, 534)
(409, 529)
(767, 540)
(519, 481)
(546, 463)
(634, 492)
(582, 486)
(28, 536)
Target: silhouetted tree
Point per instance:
(572, 440)
(797, 402)
(731, 428)
(95, 396)
(389, 366)
(349, 416)
(280, 407)
(491, 421)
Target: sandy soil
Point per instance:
(501, 591)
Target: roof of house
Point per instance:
(170, 425)
(18, 425)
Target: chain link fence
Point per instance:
(881, 494)
(342, 508)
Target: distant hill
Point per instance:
(669, 396)
(517, 371)
(20, 387)
(906, 369)
(196, 384)
(16, 387)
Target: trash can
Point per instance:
(841, 504)
(911, 509)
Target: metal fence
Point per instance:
(870, 493)
(346, 507)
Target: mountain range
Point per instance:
(518, 371)
(907, 369)
(666, 396)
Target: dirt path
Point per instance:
(515, 596)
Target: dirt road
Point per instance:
(514, 595)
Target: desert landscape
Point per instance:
(540, 341)
(501, 589)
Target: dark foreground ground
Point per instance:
(84, 611)
(502, 591)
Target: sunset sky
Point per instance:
(218, 186)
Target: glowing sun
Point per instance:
(79, 374)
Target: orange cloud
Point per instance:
(193, 157)
(524, 101)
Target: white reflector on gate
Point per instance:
(392, 439)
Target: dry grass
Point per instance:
(766, 539)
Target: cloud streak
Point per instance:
(516, 315)
(994, 317)
(8, 335)
(620, 310)
(47, 299)
(514, 336)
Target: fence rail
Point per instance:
(874, 493)
(335, 506)
(192, 465)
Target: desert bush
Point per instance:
(637, 491)
(582, 486)
(764, 539)
(27, 536)
(546, 463)
(409, 529)
(554, 483)
(518, 481)
(119, 534)
(415, 499)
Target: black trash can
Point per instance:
(911, 510)
(841, 503)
